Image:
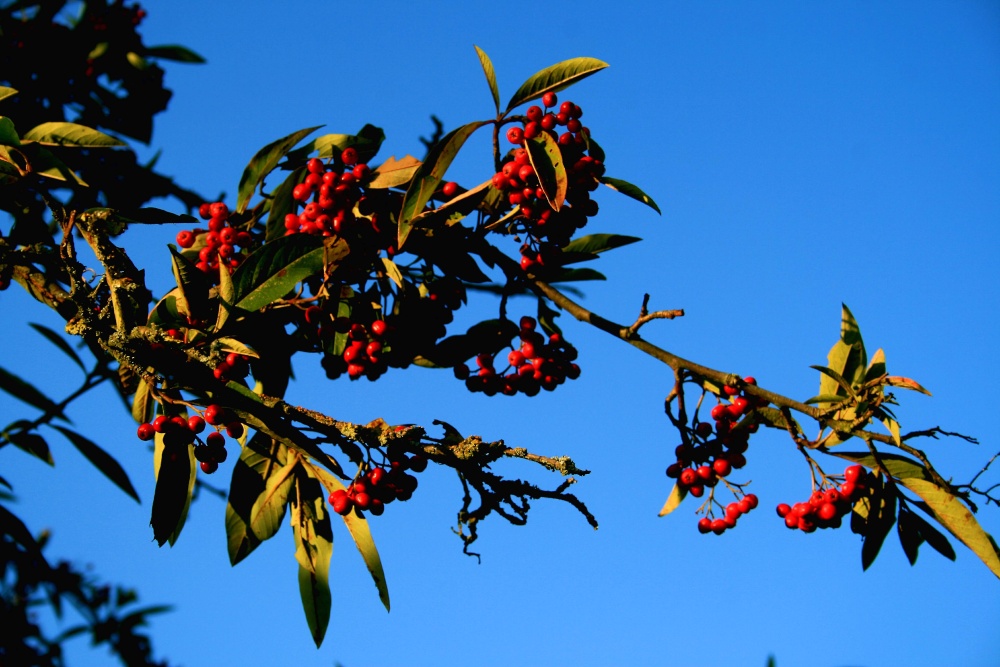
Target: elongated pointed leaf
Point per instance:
(313, 550)
(33, 444)
(881, 517)
(258, 459)
(150, 215)
(841, 382)
(491, 77)
(393, 173)
(269, 508)
(227, 296)
(956, 517)
(8, 133)
(677, 494)
(555, 78)
(906, 383)
(70, 134)
(876, 367)
(6, 91)
(192, 284)
(547, 159)
(630, 190)
(909, 534)
(180, 54)
(273, 270)
(282, 204)
(367, 142)
(261, 164)
(59, 342)
(44, 163)
(103, 461)
(576, 275)
(142, 403)
(598, 243)
(360, 533)
(429, 175)
(174, 467)
(23, 391)
(933, 537)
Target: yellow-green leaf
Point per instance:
(677, 494)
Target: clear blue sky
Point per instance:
(803, 154)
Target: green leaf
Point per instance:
(272, 271)
(313, 550)
(598, 243)
(6, 92)
(282, 204)
(8, 133)
(101, 460)
(367, 142)
(23, 391)
(180, 54)
(393, 173)
(392, 270)
(257, 460)
(547, 159)
(193, 286)
(677, 494)
(44, 163)
(227, 344)
(142, 403)
(841, 382)
(70, 134)
(429, 175)
(269, 508)
(491, 77)
(174, 467)
(555, 78)
(265, 160)
(360, 533)
(956, 517)
(876, 368)
(630, 190)
(59, 342)
(227, 295)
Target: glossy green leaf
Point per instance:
(70, 134)
(841, 382)
(180, 54)
(555, 78)
(360, 533)
(26, 392)
(264, 162)
(174, 466)
(228, 344)
(429, 175)
(598, 243)
(8, 133)
(59, 342)
(257, 461)
(677, 494)
(269, 508)
(272, 271)
(491, 77)
(956, 517)
(101, 460)
(394, 173)
(547, 159)
(630, 190)
(227, 296)
(313, 550)
(6, 91)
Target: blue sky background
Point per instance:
(803, 154)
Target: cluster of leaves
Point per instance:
(28, 582)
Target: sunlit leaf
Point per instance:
(677, 494)
(429, 175)
(272, 271)
(393, 173)
(70, 134)
(555, 78)
(630, 190)
(906, 383)
(491, 77)
(266, 159)
(257, 460)
(142, 403)
(6, 91)
(392, 270)
(101, 460)
(547, 160)
(313, 550)
(269, 508)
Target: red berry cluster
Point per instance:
(363, 355)
(380, 486)
(334, 190)
(519, 181)
(734, 511)
(219, 243)
(177, 430)
(825, 507)
(535, 365)
(233, 367)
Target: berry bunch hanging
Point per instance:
(328, 196)
(379, 486)
(219, 244)
(827, 506)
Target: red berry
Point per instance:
(853, 473)
(549, 99)
(349, 156)
(718, 526)
(688, 477)
(215, 415)
(515, 135)
(827, 511)
(784, 510)
(196, 424)
(449, 189)
(704, 525)
(234, 429)
(146, 432)
(208, 467)
(722, 467)
(185, 239)
(378, 328)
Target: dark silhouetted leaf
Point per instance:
(59, 342)
(282, 204)
(23, 391)
(174, 52)
(103, 461)
(174, 466)
(909, 534)
(33, 444)
(597, 243)
(630, 190)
